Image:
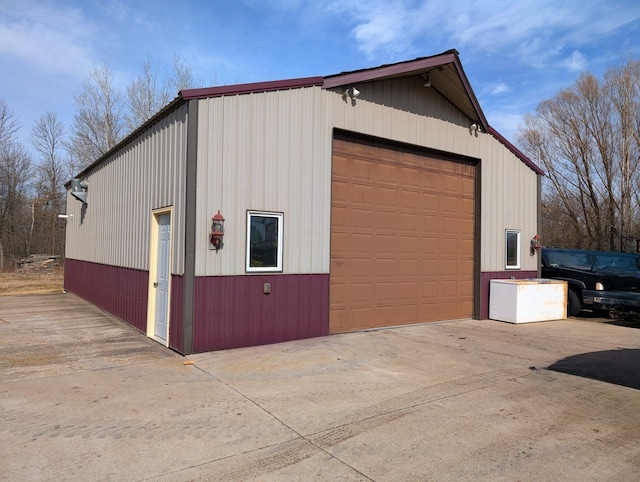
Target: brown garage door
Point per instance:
(402, 237)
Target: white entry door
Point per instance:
(161, 283)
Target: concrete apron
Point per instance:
(84, 397)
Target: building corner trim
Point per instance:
(190, 228)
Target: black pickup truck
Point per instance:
(598, 280)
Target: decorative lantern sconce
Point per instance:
(217, 231)
(535, 244)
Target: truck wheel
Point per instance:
(573, 303)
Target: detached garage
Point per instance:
(258, 213)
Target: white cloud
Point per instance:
(538, 33)
(497, 88)
(48, 40)
(576, 62)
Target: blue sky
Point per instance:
(515, 54)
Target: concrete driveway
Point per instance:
(84, 397)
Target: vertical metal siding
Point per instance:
(259, 151)
(272, 151)
(119, 291)
(147, 173)
(509, 201)
(233, 311)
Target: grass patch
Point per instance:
(31, 283)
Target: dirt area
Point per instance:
(29, 283)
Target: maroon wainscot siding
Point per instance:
(234, 311)
(485, 284)
(122, 292)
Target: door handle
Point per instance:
(155, 285)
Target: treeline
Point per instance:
(587, 138)
(32, 177)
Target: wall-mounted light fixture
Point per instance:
(426, 80)
(536, 244)
(65, 216)
(350, 92)
(79, 190)
(217, 231)
(475, 127)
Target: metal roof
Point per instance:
(444, 71)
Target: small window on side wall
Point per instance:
(513, 249)
(264, 241)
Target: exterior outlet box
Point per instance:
(267, 288)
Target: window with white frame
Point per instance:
(264, 241)
(513, 249)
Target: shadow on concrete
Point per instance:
(621, 367)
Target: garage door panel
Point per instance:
(338, 295)
(409, 178)
(409, 223)
(339, 245)
(361, 194)
(361, 170)
(449, 184)
(386, 175)
(387, 198)
(407, 269)
(403, 227)
(429, 202)
(429, 291)
(448, 225)
(429, 311)
(386, 294)
(448, 311)
(409, 200)
(408, 291)
(360, 318)
(385, 268)
(339, 219)
(408, 246)
(383, 314)
(362, 245)
(361, 219)
(341, 193)
(407, 314)
(361, 268)
(386, 245)
(448, 247)
(429, 224)
(428, 268)
(360, 293)
(387, 222)
(448, 268)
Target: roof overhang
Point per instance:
(445, 72)
(447, 77)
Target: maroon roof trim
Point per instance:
(374, 73)
(472, 96)
(252, 88)
(514, 150)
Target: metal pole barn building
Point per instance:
(258, 213)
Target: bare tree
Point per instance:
(15, 170)
(8, 130)
(181, 77)
(8, 125)
(586, 139)
(47, 137)
(145, 95)
(98, 124)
